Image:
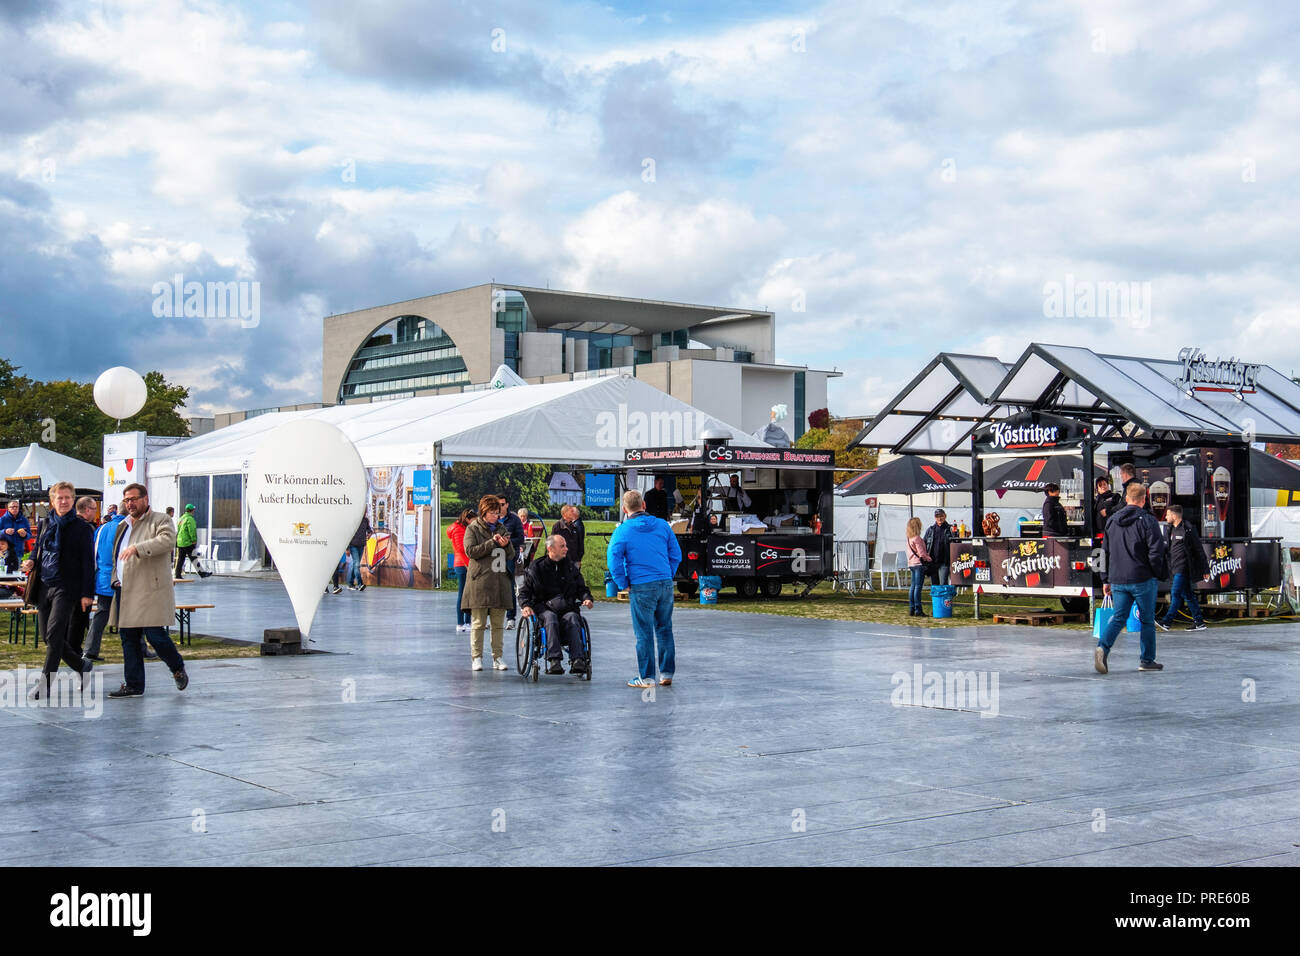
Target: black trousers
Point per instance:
(181, 555)
(562, 631)
(63, 625)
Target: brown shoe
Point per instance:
(665, 682)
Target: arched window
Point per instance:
(404, 355)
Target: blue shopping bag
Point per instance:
(1101, 616)
(1134, 622)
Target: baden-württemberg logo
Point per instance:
(76, 909)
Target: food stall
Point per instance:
(776, 531)
(1185, 424)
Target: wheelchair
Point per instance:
(531, 643)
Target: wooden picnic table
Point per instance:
(183, 612)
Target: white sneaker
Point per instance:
(476, 664)
(510, 625)
(462, 628)
(498, 664)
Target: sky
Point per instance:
(891, 179)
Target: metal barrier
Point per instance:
(852, 566)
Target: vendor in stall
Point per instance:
(737, 498)
(1105, 504)
(1055, 523)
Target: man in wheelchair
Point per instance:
(553, 589)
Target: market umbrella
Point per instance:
(1034, 474)
(907, 475)
(1273, 473)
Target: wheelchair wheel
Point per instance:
(586, 642)
(525, 646)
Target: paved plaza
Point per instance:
(783, 741)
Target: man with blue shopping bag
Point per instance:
(1136, 561)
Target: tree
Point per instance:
(819, 418)
(63, 416)
(525, 486)
(837, 437)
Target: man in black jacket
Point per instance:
(656, 500)
(553, 588)
(1105, 504)
(571, 528)
(1128, 475)
(937, 538)
(1135, 561)
(1055, 524)
(512, 526)
(1187, 562)
(63, 585)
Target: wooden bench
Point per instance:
(183, 612)
(1039, 618)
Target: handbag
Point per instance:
(1102, 615)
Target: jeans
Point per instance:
(1180, 591)
(462, 617)
(354, 566)
(940, 573)
(97, 624)
(133, 659)
(1125, 595)
(914, 593)
(652, 620)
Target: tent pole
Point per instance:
(436, 524)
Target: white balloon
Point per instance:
(120, 392)
(306, 492)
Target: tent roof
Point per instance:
(50, 465)
(938, 410)
(582, 422)
(1124, 396)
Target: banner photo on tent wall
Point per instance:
(306, 491)
(399, 503)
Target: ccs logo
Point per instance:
(730, 547)
(769, 553)
(301, 528)
(634, 455)
(720, 454)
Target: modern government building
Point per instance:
(721, 360)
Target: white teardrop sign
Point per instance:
(306, 492)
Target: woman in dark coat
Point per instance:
(489, 587)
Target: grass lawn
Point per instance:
(824, 603)
(205, 648)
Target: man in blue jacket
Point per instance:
(17, 530)
(1136, 560)
(103, 583)
(643, 556)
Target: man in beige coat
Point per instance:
(144, 604)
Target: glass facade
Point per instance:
(406, 354)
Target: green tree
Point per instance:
(525, 486)
(63, 416)
(837, 437)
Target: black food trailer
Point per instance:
(1186, 425)
(783, 535)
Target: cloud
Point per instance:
(644, 114)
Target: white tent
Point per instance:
(585, 422)
(51, 466)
